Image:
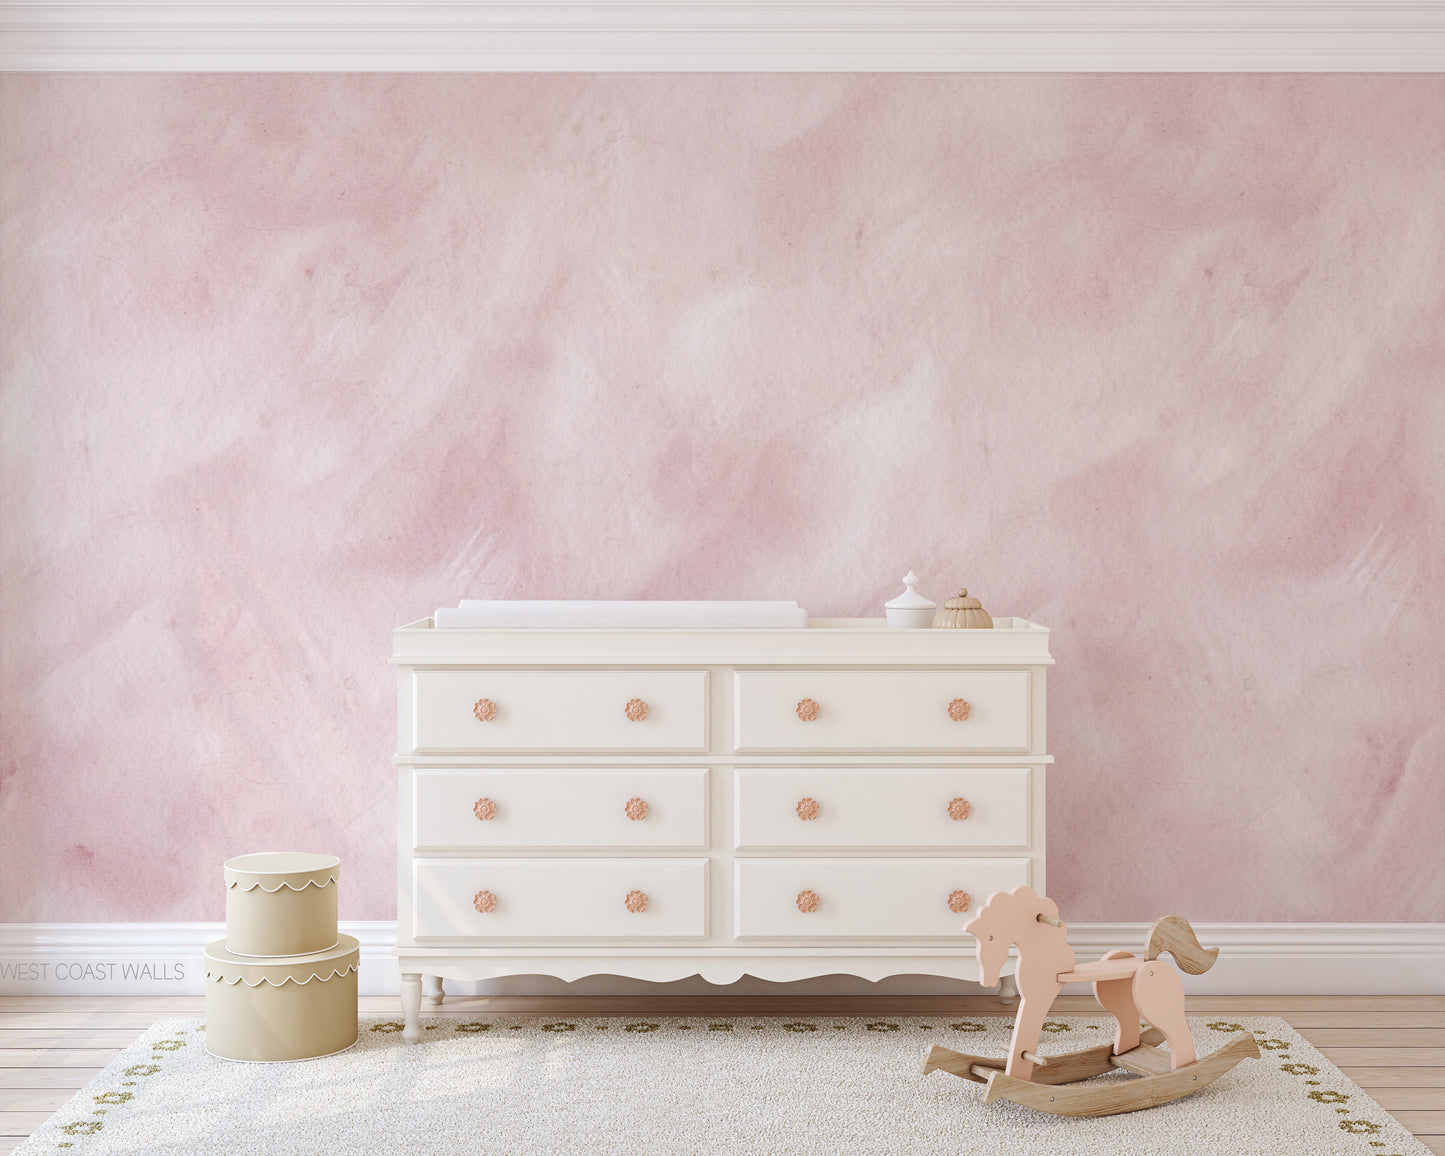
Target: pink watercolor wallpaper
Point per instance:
(1156, 361)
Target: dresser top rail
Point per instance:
(861, 641)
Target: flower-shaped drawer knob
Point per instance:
(636, 902)
(959, 901)
(485, 710)
(807, 809)
(636, 809)
(484, 809)
(636, 710)
(958, 809)
(959, 709)
(807, 902)
(485, 902)
(807, 710)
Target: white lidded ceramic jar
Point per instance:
(910, 610)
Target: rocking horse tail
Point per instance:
(1174, 935)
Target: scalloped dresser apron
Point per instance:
(661, 803)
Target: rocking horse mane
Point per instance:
(1021, 905)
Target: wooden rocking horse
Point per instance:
(1125, 985)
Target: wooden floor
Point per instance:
(1392, 1046)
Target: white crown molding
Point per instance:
(1255, 959)
(724, 35)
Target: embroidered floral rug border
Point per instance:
(826, 1085)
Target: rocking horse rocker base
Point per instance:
(1051, 1087)
(1124, 985)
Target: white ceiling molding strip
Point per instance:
(724, 35)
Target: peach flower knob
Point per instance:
(807, 809)
(807, 710)
(636, 710)
(958, 901)
(484, 809)
(807, 902)
(485, 902)
(637, 902)
(958, 809)
(636, 809)
(958, 709)
(485, 710)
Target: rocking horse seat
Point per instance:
(1102, 969)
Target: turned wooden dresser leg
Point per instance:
(411, 1006)
(1008, 991)
(434, 989)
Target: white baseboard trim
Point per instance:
(148, 958)
(1297, 958)
(1255, 959)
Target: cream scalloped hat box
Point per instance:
(298, 1008)
(282, 984)
(281, 903)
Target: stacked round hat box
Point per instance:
(282, 984)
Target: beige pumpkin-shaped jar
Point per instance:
(964, 612)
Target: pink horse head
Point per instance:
(1003, 920)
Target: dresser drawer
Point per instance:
(547, 809)
(866, 710)
(852, 898)
(560, 898)
(905, 808)
(543, 710)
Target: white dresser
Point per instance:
(666, 803)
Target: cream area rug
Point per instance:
(690, 1085)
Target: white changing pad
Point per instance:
(478, 614)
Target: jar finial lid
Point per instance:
(910, 599)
